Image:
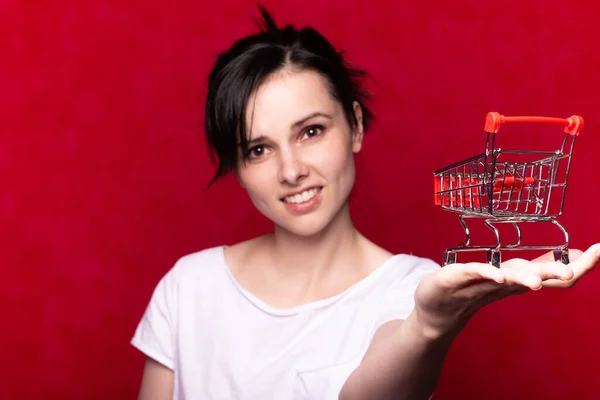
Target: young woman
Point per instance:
(313, 310)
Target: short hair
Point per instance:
(240, 70)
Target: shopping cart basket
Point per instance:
(509, 186)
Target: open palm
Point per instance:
(445, 300)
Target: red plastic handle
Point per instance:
(573, 124)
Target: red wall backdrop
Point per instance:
(103, 171)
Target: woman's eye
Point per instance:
(313, 131)
(256, 151)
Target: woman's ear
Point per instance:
(358, 131)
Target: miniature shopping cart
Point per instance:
(509, 186)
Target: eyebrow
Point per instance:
(296, 124)
(309, 116)
(257, 139)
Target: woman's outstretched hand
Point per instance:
(446, 300)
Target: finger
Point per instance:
(553, 270)
(459, 276)
(545, 270)
(580, 267)
(574, 254)
(513, 263)
(523, 276)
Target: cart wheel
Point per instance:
(493, 257)
(449, 257)
(561, 255)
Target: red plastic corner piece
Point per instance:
(493, 122)
(575, 125)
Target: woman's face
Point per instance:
(299, 168)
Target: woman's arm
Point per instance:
(157, 381)
(405, 358)
(403, 362)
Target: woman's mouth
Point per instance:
(303, 202)
(305, 196)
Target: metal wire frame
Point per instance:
(512, 192)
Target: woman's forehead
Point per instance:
(287, 97)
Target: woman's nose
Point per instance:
(291, 167)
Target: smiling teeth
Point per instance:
(302, 197)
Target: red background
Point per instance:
(103, 171)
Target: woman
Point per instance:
(313, 310)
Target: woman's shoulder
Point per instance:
(399, 263)
(409, 269)
(199, 263)
(237, 255)
(209, 261)
(208, 255)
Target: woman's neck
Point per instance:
(339, 245)
(286, 270)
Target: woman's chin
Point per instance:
(307, 227)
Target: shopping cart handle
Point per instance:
(573, 124)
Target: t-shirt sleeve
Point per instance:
(398, 301)
(154, 335)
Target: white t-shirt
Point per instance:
(224, 343)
